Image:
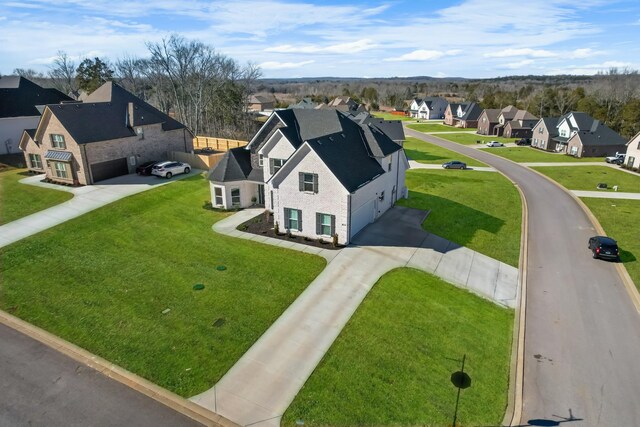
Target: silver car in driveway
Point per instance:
(168, 169)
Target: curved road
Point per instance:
(582, 336)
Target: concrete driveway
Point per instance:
(86, 199)
(261, 385)
(582, 337)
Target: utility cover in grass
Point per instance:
(198, 287)
(221, 268)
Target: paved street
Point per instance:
(41, 387)
(582, 331)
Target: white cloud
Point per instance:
(342, 48)
(423, 55)
(274, 65)
(584, 53)
(535, 53)
(519, 64)
(590, 69)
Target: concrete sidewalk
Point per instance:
(607, 194)
(85, 200)
(417, 165)
(262, 384)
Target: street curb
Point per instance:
(121, 375)
(622, 271)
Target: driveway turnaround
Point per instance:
(42, 387)
(85, 199)
(261, 385)
(582, 337)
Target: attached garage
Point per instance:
(109, 169)
(362, 217)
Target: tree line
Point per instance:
(205, 90)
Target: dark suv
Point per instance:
(604, 247)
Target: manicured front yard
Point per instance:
(480, 210)
(619, 218)
(436, 127)
(528, 154)
(19, 200)
(103, 281)
(588, 177)
(389, 116)
(423, 152)
(472, 138)
(392, 363)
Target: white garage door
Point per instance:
(362, 217)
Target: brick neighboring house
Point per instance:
(544, 132)
(521, 126)
(463, 115)
(487, 121)
(632, 158)
(320, 172)
(19, 101)
(343, 103)
(107, 135)
(580, 135)
(259, 103)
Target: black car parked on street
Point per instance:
(604, 247)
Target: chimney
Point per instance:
(130, 117)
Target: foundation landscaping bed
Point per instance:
(392, 363)
(124, 282)
(479, 210)
(19, 200)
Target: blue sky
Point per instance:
(349, 38)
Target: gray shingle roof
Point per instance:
(492, 114)
(19, 97)
(471, 112)
(235, 165)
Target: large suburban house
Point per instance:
(544, 133)
(19, 101)
(521, 126)
(487, 121)
(580, 135)
(259, 103)
(463, 115)
(428, 108)
(346, 104)
(632, 158)
(320, 172)
(107, 135)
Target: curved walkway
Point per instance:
(261, 385)
(582, 336)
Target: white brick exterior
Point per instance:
(248, 191)
(632, 158)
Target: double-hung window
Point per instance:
(60, 170)
(57, 141)
(275, 165)
(325, 224)
(308, 182)
(235, 197)
(217, 192)
(293, 219)
(36, 161)
(260, 160)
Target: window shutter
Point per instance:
(286, 217)
(300, 181)
(318, 223)
(299, 220)
(271, 166)
(315, 182)
(333, 225)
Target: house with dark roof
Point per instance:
(107, 135)
(521, 126)
(304, 104)
(320, 172)
(544, 132)
(19, 101)
(464, 115)
(487, 121)
(428, 108)
(346, 104)
(259, 103)
(580, 135)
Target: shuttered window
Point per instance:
(293, 219)
(325, 224)
(308, 182)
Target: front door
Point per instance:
(260, 194)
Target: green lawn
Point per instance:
(588, 177)
(480, 210)
(435, 127)
(389, 116)
(392, 363)
(103, 280)
(619, 218)
(424, 152)
(528, 154)
(19, 200)
(471, 138)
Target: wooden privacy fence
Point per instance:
(216, 144)
(197, 161)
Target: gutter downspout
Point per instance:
(349, 223)
(397, 177)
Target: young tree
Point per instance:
(91, 74)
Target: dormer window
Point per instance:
(57, 141)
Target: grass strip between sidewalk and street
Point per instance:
(19, 200)
(479, 210)
(424, 152)
(392, 363)
(437, 127)
(119, 282)
(473, 138)
(587, 178)
(619, 218)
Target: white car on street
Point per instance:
(168, 169)
(495, 144)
